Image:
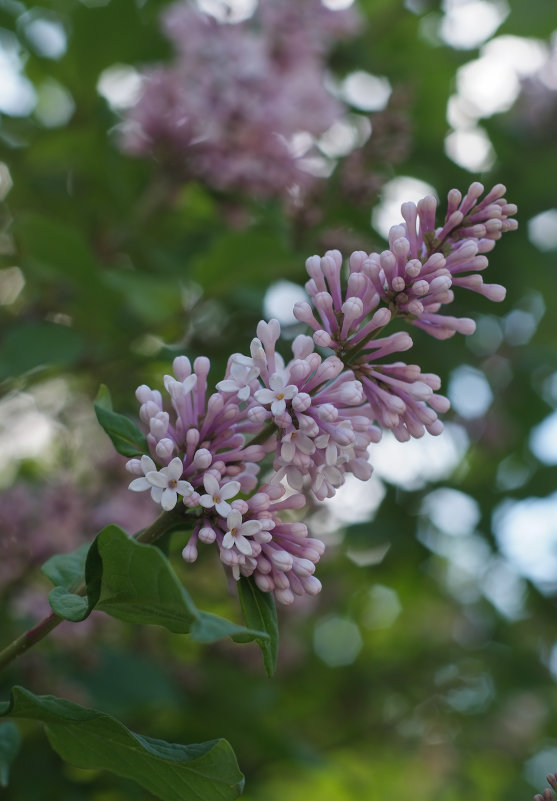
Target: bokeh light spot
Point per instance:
(337, 641)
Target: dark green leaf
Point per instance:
(138, 584)
(90, 739)
(10, 741)
(260, 613)
(135, 582)
(125, 435)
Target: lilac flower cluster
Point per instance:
(315, 415)
(226, 111)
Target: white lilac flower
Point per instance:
(146, 465)
(168, 481)
(238, 532)
(218, 496)
(277, 395)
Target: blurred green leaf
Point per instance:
(236, 259)
(152, 299)
(34, 345)
(10, 742)
(90, 739)
(125, 435)
(55, 249)
(260, 612)
(210, 628)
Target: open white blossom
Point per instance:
(238, 532)
(168, 481)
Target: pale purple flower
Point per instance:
(237, 533)
(169, 481)
(218, 496)
(241, 373)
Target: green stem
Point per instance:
(27, 640)
(165, 522)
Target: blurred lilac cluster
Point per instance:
(315, 415)
(536, 108)
(227, 110)
(39, 520)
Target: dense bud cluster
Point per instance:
(314, 417)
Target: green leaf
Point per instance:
(125, 435)
(90, 739)
(10, 742)
(138, 584)
(104, 399)
(260, 613)
(135, 582)
(68, 605)
(210, 628)
(67, 569)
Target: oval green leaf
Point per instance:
(93, 740)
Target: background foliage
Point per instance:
(427, 665)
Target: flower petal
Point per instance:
(265, 396)
(276, 382)
(175, 468)
(207, 501)
(228, 540)
(210, 483)
(227, 385)
(234, 519)
(157, 479)
(249, 528)
(243, 545)
(140, 484)
(229, 490)
(156, 494)
(223, 508)
(168, 499)
(147, 464)
(184, 488)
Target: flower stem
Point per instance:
(164, 523)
